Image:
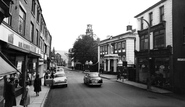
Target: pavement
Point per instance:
(38, 101)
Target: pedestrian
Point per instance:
(25, 101)
(52, 75)
(37, 85)
(118, 75)
(9, 92)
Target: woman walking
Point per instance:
(37, 85)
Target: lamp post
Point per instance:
(88, 64)
(149, 58)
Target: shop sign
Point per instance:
(180, 59)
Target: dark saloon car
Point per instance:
(92, 78)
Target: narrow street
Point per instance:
(111, 94)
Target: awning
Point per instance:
(5, 66)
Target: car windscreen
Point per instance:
(94, 75)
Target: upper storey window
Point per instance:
(161, 9)
(150, 18)
(141, 23)
(159, 38)
(33, 7)
(22, 18)
(144, 42)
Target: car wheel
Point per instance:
(66, 85)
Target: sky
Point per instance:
(67, 19)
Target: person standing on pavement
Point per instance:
(26, 95)
(37, 85)
(9, 92)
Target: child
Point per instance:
(26, 96)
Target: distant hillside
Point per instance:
(63, 54)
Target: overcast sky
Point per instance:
(67, 19)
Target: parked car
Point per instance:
(59, 79)
(93, 78)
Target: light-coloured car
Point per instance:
(93, 78)
(59, 79)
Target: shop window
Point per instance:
(184, 35)
(161, 76)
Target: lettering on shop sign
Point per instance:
(27, 47)
(10, 38)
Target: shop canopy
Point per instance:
(5, 66)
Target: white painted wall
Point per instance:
(130, 51)
(156, 20)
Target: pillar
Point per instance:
(115, 65)
(98, 58)
(108, 65)
(105, 65)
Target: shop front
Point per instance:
(8, 70)
(160, 68)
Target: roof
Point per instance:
(153, 6)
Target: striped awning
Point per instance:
(5, 68)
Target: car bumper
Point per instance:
(60, 83)
(95, 83)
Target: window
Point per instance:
(123, 45)
(144, 42)
(115, 47)
(40, 43)
(41, 25)
(184, 35)
(38, 13)
(8, 20)
(159, 38)
(150, 18)
(22, 18)
(37, 37)
(161, 13)
(33, 7)
(32, 32)
(119, 45)
(141, 23)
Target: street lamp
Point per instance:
(149, 58)
(88, 64)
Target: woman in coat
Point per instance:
(9, 92)
(37, 85)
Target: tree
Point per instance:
(85, 49)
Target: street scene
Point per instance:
(92, 53)
(110, 94)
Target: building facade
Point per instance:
(161, 55)
(25, 40)
(113, 49)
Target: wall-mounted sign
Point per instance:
(180, 59)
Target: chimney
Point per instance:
(129, 27)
